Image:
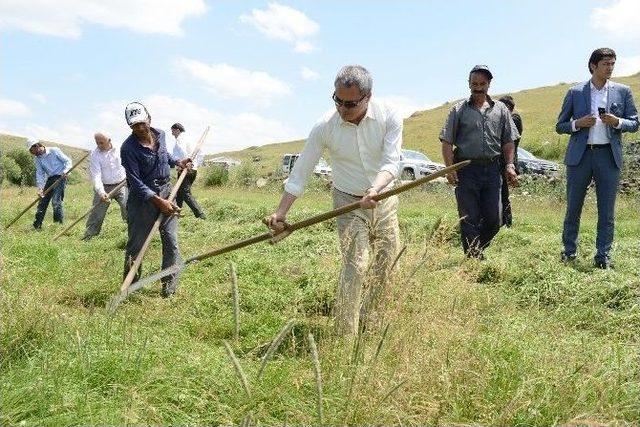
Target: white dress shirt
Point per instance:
(598, 132)
(105, 168)
(357, 152)
(183, 149)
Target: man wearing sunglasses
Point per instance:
(363, 140)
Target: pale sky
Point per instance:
(261, 72)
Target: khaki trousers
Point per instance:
(365, 235)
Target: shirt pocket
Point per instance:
(493, 129)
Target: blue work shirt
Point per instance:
(52, 162)
(145, 167)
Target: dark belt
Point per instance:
(160, 181)
(597, 146)
(348, 194)
(484, 162)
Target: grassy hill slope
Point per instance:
(10, 142)
(539, 108)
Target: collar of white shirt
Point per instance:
(368, 115)
(605, 87)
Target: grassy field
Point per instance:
(518, 339)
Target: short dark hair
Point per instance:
(508, 101)
(598, 55)
(178, 126)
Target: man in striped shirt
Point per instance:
(51, 164)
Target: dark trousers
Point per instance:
(600, 166)
(507, 214)
(479, 205)
(56, 197)
(141, 216)
(184, 194)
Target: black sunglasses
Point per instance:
(346, 104)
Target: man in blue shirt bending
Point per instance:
(147, 164)
(51, 164)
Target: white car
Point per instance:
(322, 169)
(414, 164)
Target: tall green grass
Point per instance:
(519, 339)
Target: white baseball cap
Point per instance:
(31, 142)
(135, 112)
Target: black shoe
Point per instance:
(169, 289)
(201, 216)
(476, 254)
(565, 257)
(603, 264)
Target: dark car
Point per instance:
(530, 164)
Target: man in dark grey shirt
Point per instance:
(481, 130)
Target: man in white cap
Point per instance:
(182, 149)
(106, 173)
(147, 164)
(51, 164)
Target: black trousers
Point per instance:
(507, 214)
(479, 205)
(184, 194)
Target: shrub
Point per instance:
(216, 176)
(26, 164)
(244, 175)
(10, 170)
(75, 177)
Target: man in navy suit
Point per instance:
(595, 113)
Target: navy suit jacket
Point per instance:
(577, 103)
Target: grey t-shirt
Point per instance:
(476, 134)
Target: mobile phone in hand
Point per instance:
(601, 110)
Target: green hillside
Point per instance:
(539, 108)
(9, 142)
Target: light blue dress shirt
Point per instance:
(52, 162)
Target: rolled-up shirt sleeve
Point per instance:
(96, 174)
(306, 162)
(130, 164)
(447, 133)
(391, 145)
(513, 129)
(509, 131)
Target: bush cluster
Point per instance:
(18, 167)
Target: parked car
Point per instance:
(414, 164)
(322, 169)
(288, 160)
(530, 164)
